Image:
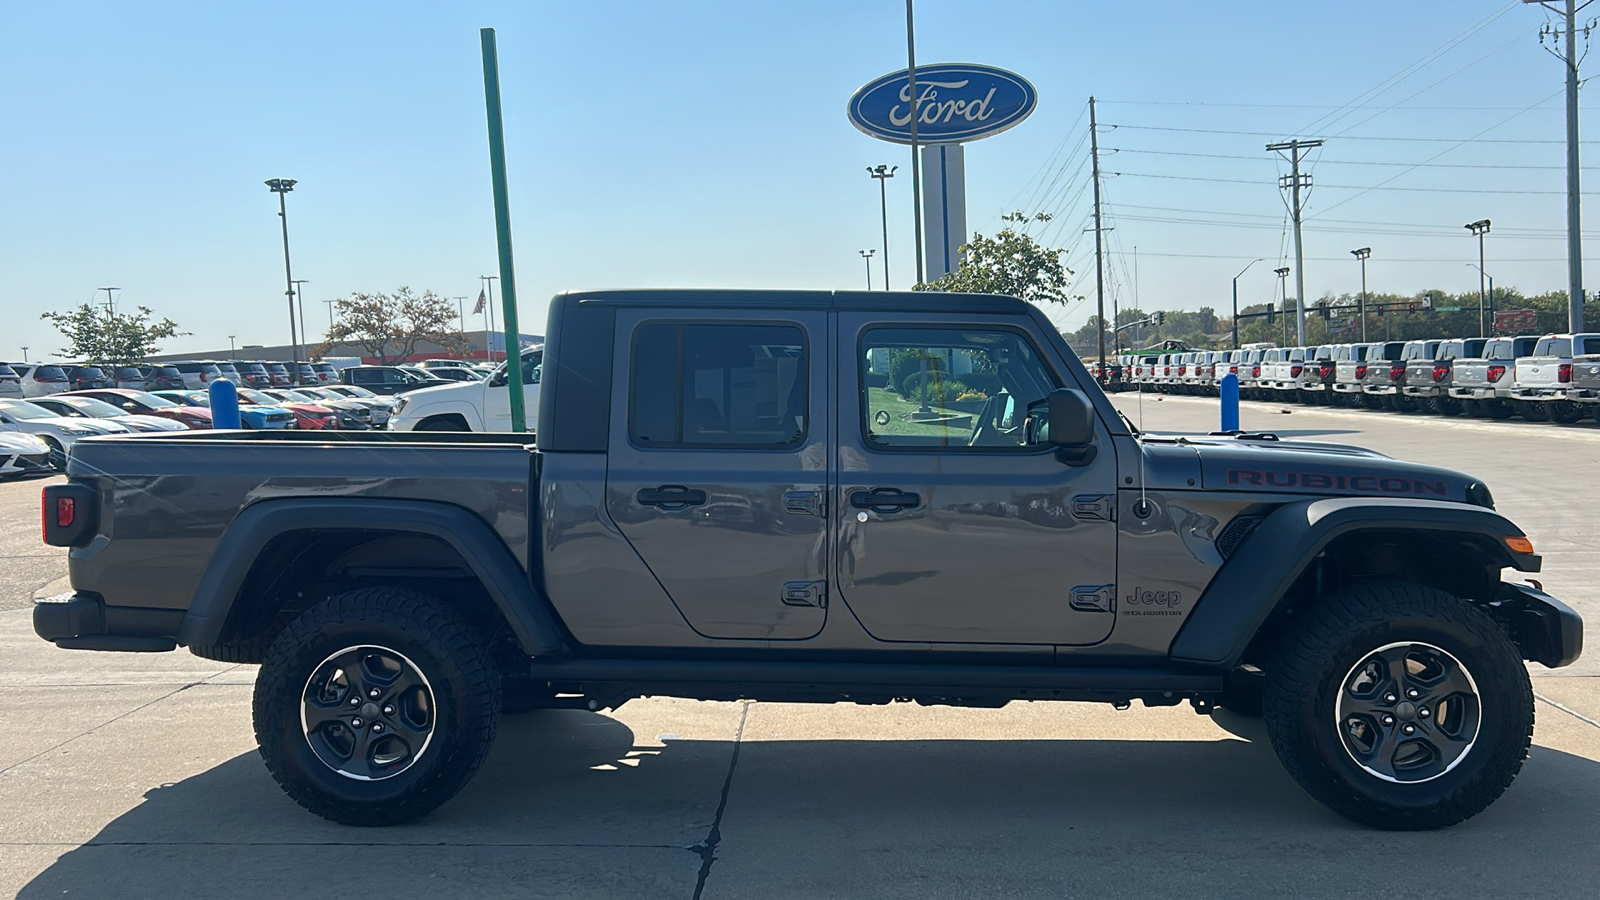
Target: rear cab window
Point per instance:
(711, 386)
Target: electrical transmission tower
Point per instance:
(1294, 181)
(1563, 45)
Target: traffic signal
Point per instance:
(1412, 309)
(1380, 310)
(1322, 308)
(1272, 315)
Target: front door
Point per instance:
(954, 528)
(497, 395)
(717, 471)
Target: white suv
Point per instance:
(471, 405)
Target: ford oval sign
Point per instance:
(956, 102)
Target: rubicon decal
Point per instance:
(1325, 481)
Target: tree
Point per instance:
(390, 327)
(1012, 262)
(97, 334)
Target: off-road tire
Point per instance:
(249, 651)
(1306, 677)
(450, 653)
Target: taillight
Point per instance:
(66, 511)
(68, 514)
(1255, 371)
(1441, 371)
(1564, 373)
(1361, 372)
(1496, 372)
(1233, 370)
(1325, 371)
(1397, 371)
(1294, 371)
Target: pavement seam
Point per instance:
(707, 849)
(526, 845)
(109, 721)
(1573, 713)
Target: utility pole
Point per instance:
(1295, 181)
(1558, 34)
(488, 309)
(1481, 228)
(866, 256)
(916, 113)
(111, 306)
(300, 297)
(1099, 270)
(883, 173)
(330, 315)
(1361, 304)
(1236, 300)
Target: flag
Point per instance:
(481, 300)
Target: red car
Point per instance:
(307, 416)
(147, 404)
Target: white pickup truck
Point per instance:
(1544, 377)
(470, 405)
(1483, 383)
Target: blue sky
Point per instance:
(705, 144)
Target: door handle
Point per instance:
(671, 496)
(885, 500)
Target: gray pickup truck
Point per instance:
(1482, 381)
(825, 497)
(1585, 390)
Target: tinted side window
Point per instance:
(1588, 345)
(718, 386)
(364, 376)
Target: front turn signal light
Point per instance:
(1520, 544)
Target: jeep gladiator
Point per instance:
(815, 496)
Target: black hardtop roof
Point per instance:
(905, 301)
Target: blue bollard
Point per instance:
(224, 404)
(1230, 402)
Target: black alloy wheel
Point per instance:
(1408, 712)
(368, 712)
(58, 455)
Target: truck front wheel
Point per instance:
(376, 706)
(1399, 706)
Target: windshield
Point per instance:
(99, 409)
(17, 409)
(258, 398)
(151, 400)
(358, 391)
(296, 396)
(198, 398)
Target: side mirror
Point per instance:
(498, 379)
(1065, 420)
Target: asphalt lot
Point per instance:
(131, 775)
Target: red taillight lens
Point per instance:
(1361, 372)
(1564, 373)
(1441, 371)
(1397, 371)
(1294, 371)
(1325, 370)
(66, 511)
(1255, 371)
(1496, 372)
(1233, 370)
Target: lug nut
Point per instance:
(1409, 729)
(1413, 693)
(1389, 698)
(377, 727)
(389, 711)
(374, 693)
(1423, 712)
(1388, 720)
(355, 701)
(356, 722)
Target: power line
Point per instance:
(1340, 187)
(1387, 259)
(1341, 162)
(1348, 137)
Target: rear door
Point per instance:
(954, 528)
(717, 470)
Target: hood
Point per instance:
(18, 442)
(151, 423)
(1259, 463)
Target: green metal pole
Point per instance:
(502, 228)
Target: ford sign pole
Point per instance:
(502, 227)
(916, 168)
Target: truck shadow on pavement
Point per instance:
(575, 804)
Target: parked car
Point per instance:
(23, 454)
(377, 408)
(456, 373)
(361, 393)
(130, 377)
(197, 374)
(255, 375)
(229, 371)
(40, 379)
(1316, 376)
(326, 373)
(1484, 385)
(251, 415)
(81, 406)
(162, 377)
(350, 413)
(57, 432)
(471, 406)
(280, 374)
(148, 404)
(1386, 373)
(10, 383)
(305, 374)
(1585, 390)
(1250, 369)
(1544, 377)
(82, 378)
(388, 379)
(307, 416)
(1349, 371)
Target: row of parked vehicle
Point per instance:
(49, 407)
(1551, 378)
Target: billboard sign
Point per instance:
(956, 102)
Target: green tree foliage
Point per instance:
(97, 334)
(389, 327)
(1012, 262)
(1404, 317)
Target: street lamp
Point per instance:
(1283, 289)
(232, 352)
(1361, 304)
(24, 352)
(111, 306)
(1480, 228)
(300, 301)
(281, 187)
(883, 173)
(867, 256)
(1236, 300)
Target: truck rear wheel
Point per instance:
(376, 706)
(1563, 412)
(1532, 411)
(1399, 706)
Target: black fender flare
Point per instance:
(525, 609)
(1248, 587)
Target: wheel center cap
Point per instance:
(369, 710)
(1406, 710)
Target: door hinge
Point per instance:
(1094, 598)
(1095, 507)
(805, 593)
(806, 503)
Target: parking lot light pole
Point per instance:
(1236, 300)
(1480, 228)
(883, 172)
(1484, 274)
(233, 352)
(1283, 288)
(866, 256)
(281, 187)
(1361, 302)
